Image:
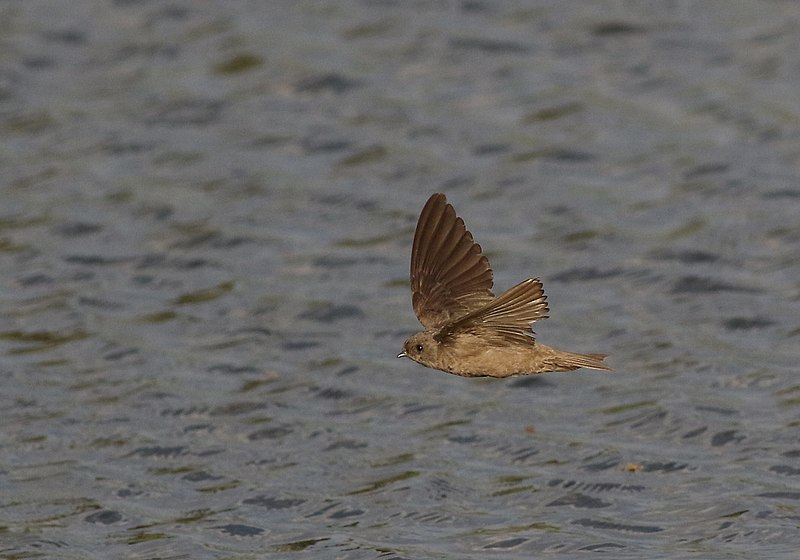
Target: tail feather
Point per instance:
(568, 361)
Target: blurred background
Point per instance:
(206, 215)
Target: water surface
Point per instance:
(206, 212)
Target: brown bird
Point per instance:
(469, 331)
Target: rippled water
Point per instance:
(206, 213)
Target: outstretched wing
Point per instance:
(506, 319)
(449, 276)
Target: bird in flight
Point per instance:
(469, 331)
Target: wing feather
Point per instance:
(449, 276)
(505, 320)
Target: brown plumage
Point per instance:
(469, 331)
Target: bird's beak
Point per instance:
(402, 355)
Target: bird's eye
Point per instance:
(419, 348)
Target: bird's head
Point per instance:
(421, 348)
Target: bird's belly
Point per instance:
(503, 361)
